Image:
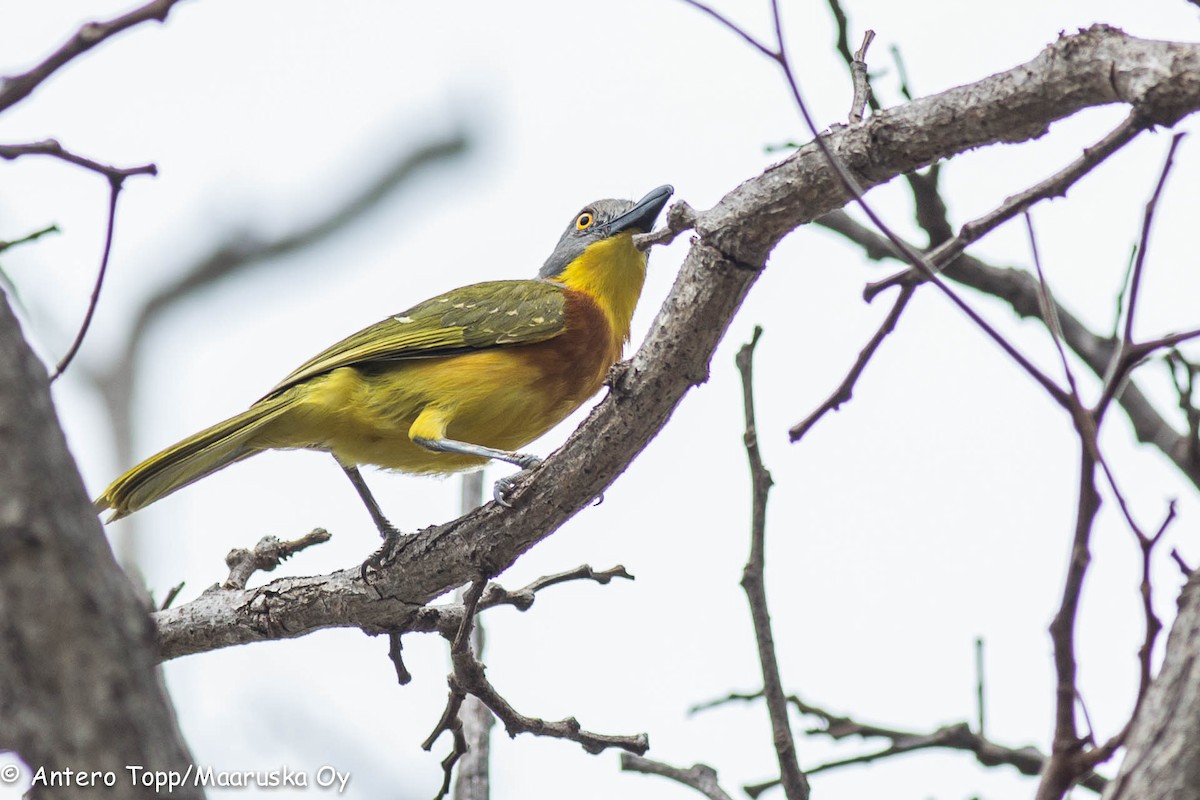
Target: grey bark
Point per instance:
(1162, 758)
(79, 686)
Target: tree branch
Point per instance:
(1098, 66)
(795, 785)
(77, 669)
(15, 88)
(700, 777)
(1026, 760)
(1021, 291)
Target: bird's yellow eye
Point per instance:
(584, 221)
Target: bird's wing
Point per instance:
(472, 317)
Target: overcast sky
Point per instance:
(934, 508)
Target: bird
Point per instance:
(461, 379)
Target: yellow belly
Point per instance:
(495, 398)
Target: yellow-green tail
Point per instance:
(190, 460)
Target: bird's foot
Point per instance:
(504, 487)
(393, 545)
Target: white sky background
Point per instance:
(934, 508)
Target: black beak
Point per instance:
(643, 214)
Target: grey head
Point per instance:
(601, 220)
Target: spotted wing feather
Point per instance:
(473, 317)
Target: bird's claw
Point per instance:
(394, 543)
(504, 486)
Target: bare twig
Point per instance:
(1185, 386)
(842, 44)
(1022, 292)
(29, 237)
(1126, 350)
(680, 217)
(515, 722)
(446, 618)
(51, 148)
(268, 554)
(1049, 312)
(172, 593)
(795, 785)
(116, 179)
(396, 656)
(700, 777)
(734, 28)
(901, 72)
(15, 88)
(980, 706)
(1153, 623)
(862, 83)
(930, 208)
(94, 300)
(450, 720)
(1066, 763)
(845, 390)
(924, 267)
(468, 678)
(522, 599)
(1026, 760)
(1054, 186)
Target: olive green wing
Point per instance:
(469, 318)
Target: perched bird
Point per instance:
(451, 383)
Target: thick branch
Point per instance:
(77, 669)
(1163, 751)
(1096, 67)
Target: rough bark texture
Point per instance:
(1163, 751)
(1095, 67)
(79, 688)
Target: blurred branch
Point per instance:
(700, 777)
(473, 781)
(29, 237)
(15, 88)
(247, 250)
